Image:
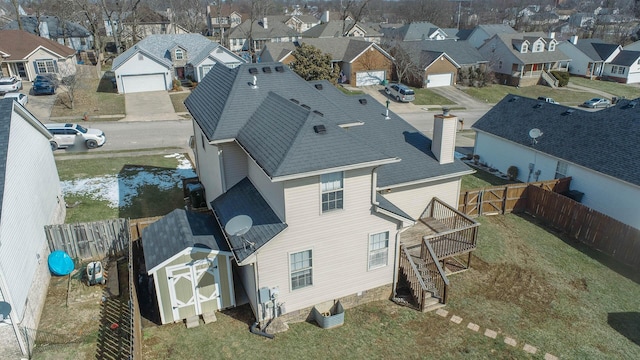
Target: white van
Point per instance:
(65, 135)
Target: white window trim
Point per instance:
(291, 289)
(181, 56)
(561, 164)
(45, 64)
(369, 267)
(322, 193)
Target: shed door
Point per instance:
(141, 83)
(182, 292)
(207, 286)
(436, 80)
(365, 78)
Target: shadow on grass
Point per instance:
(107, 85)
(604, 259)
(627, 324)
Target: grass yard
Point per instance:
(525, 283)
(94, 97)
(177, 100)
(107, 188)
(613, 88)
(428, 97)
(349, 92)
(494, 93)
(482, 179)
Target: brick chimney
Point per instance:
(443, 144)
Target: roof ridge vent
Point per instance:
(306, 106)
(253, 70)
(515, 98)
(318, 86)
(279, 68)
(320, 129)
(294, 101)
(318, 113)
(363, 101)
(266, 70)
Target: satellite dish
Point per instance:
(238, 226)
(534, 134)
(5, 310)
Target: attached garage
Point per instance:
(366, 78)
(190, 263)
(146, 82)
(633, 78)
(437, 80)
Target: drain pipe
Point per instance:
(254, 330)
(254, 327)
(396, 269)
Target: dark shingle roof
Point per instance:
(389, 206)
(462, 52)
(6, 110)
(605, 141)
(626, 58)
(334, 28)
(420, 30)
(595, 49)
(244, 199)
(178, 231)
(275, 29)
(529, 57)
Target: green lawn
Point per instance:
(525, 283)
(428, 97)
(116, 174)
(494, 93)
(93, 97)
(482, 179)
(613, 88)
(349, 92)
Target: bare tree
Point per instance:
(356, 9)
(16, 6)
(91, 12)
(405, 56)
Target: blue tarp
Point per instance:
(60, 263)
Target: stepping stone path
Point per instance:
(530, 349)
(442, 312)
(548, 356)
(510, 341)
(490, 333)
(474, 327)
(456, 319)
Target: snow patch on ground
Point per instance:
(119, 190)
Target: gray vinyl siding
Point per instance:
(272, 192)
(338, 239)
(207, 166)
(234, 162)
(31, 198)
(414, 199)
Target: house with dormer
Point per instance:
(524, 59)
(323, 197)
(596, 149)
(251, 36)
(153, 63)
(343, 28)
(415, 31)
(589, 56)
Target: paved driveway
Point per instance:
(147, 106)
(40, 106)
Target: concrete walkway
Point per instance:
(461, 98)
(588, 89)
(149, 106)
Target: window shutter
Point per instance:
(35, 66)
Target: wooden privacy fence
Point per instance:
(592, 228)
(91, 240)
(505, 199)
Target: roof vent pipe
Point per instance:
(445, 111)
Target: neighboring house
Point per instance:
(26, 55)
(543, 18)
(463, 53)
(328, 183)
(361, 62)
(299, 23)
(190, 262)
(261, 32)
(597, 149)
(52, 28)
(635, 46)
(582, 20)
(524, 59)
(30, 198)
(153, 63)
(588, 56)
(221, 20)
(624, 68)
(416, 31)
(482, 33)
(434, 68)
(136, 26)
(340, 28)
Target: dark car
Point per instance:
(45, 84)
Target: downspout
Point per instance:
(223, 184)
(254, 327)
(374, 184)
(396, 270)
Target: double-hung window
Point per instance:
(332, 191)
(561, 170)
(378, 250)
(300, 264)
(45, 66)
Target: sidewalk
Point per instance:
(588, 89)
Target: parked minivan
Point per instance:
(401, 93)
(65, 135)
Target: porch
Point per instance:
(440, 244)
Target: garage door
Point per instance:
(633, 78)
(365, 78)
(140, 83)
(436, 80)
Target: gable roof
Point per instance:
(626, 58)
(227, 108)
(493, 29)
(462, 52)
(429, 57)
(244, 199)
(158, 46)
(604, 141)
(344, 49)
(177, 231)
(595, 49)
(528, 57)
(20, 44)
(333, 28)
(274, 52)
(420, 30)
(30, 24)
(274, 29)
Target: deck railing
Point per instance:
(436, 272)
(447, 215)
(453, 242)
(414, 278)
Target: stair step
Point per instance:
(193, 321)
(209, 317)
(433, 307)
